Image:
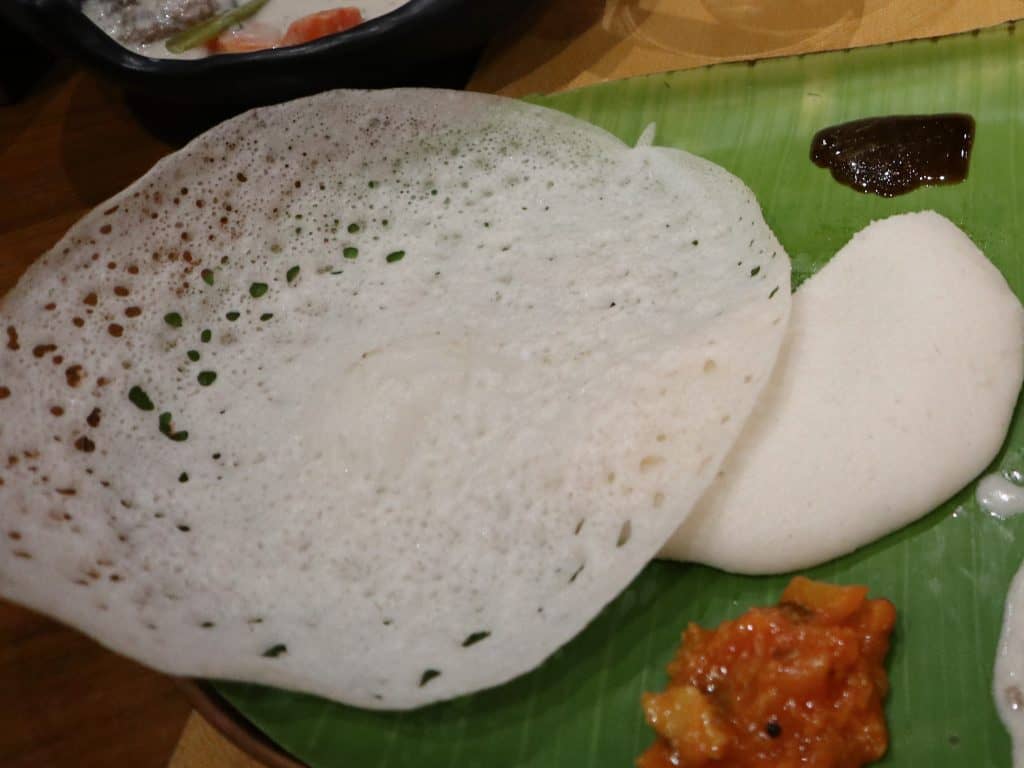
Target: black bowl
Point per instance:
(405, 47)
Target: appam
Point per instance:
(378, 396)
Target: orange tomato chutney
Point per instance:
(799, 684)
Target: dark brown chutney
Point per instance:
(891, 156)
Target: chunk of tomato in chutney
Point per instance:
(796, 685)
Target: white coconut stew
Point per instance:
(191, 29)
(1008, 675)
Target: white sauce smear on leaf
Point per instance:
(999, 496)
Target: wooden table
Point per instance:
(66, 702)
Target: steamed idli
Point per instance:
(894, 389)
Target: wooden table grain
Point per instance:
(65, 702)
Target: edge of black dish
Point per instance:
(397, 48)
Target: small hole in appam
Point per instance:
(624, 534)
(650, 462)
(576, 573)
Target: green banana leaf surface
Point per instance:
(947, 574)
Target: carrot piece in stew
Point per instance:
(321, 24)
